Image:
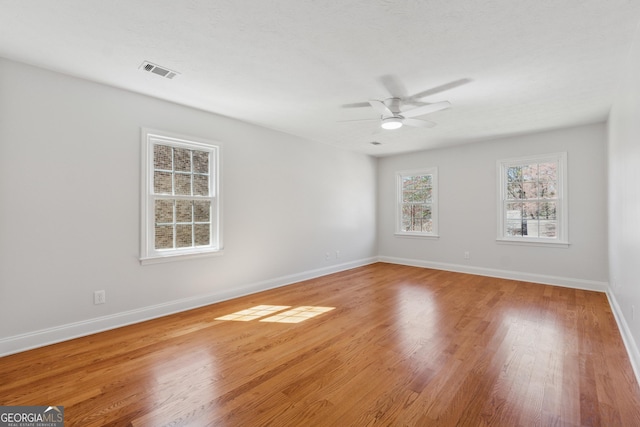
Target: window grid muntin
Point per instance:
(427, 224)
(175, 222)
(526, 181)
(175, 197)
(560, 214)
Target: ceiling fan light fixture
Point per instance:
(391, 123)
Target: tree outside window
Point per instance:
(533, 199)
(417, 213)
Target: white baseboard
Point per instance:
(567, 282)
(627, 336)
(43, 337)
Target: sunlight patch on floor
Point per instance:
(253, 313)
(276, 313)
(298, 314)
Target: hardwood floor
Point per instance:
(401, 346)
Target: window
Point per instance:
(180, 197)
(417, 213)
(533, 200)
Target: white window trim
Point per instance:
(148, 253)
(562, 240)
(433, 171)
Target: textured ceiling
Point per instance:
(512, 66)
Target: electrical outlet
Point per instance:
(337, 254)
(99, 297)
(327, 256)
(467, 255)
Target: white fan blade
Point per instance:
(438, 89)
(393, 85)
(426, 109)
(356, 105)
(359, 120)
(380, 107)
(418, 123)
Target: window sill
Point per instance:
(539, 243)
(179, 257)
(417, 236)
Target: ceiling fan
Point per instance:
(392, 118)
(391, 114)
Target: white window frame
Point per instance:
(433, 171)
(148, 253)
(562, 206)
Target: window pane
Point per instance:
(514, 228)
(548, 190)
(530, 227)
(514, 190)
(164, 236)
(417, 218)
(182, 159)
(183, 236)
(202, 211)
(183, 211)
(548, 210)
(164, 211)
(162, 157)
(514, 211)
(202, 234)
(530, 172)
(408, 187)
(183, 184)
(548, 228)
(417, 196)
(200, 161)
(200, 185)
(427, 194)
(426, 180)
(514, 173)
(421, 195)
(408, 196)
(162, 182)
(408, 183)
(530, 210)
(417, 189)
(530, 190)
(416, 182)
(548, 171)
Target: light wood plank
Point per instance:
(403, 346)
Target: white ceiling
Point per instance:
(514, 66)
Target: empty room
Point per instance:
(317, 213)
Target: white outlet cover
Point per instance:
(99, 297)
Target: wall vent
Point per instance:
(157, 69)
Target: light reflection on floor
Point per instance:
(417, 315)
(531, 345)
(295, 315)
(169, 381)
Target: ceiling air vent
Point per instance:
(157, 69)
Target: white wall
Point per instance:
(69, 217)
(468, 209)
(624, 203)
